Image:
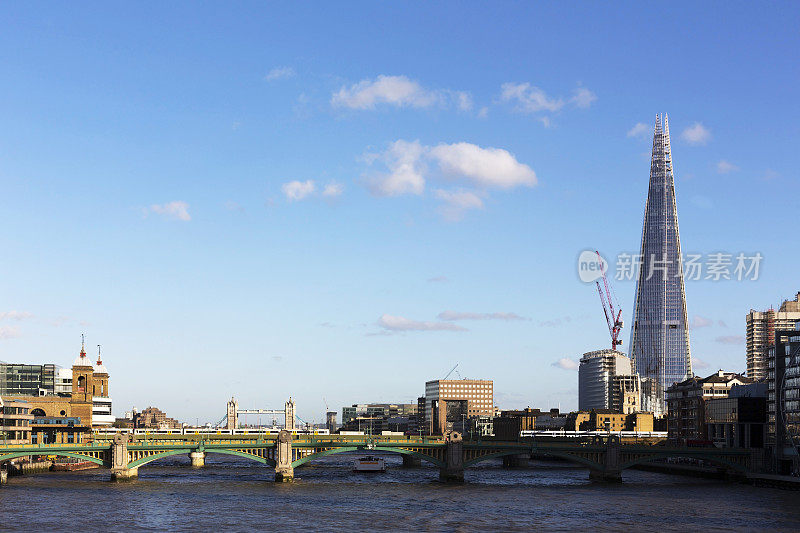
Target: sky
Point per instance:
(341, 202)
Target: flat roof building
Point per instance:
(467, 398)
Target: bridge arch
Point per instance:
(344, 449)
(582, 461)
(15, 455)
(185, 451)
(673, 454)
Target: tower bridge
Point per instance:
(124, 454)
(232, 414)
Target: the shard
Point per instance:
(659, 348)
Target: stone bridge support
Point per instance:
(283, 457)
(453, 470)
(198, 459)
(611, 471)
(119, 460)
(516, 461)
(409, 461)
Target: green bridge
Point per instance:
(124, 454)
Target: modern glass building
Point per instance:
(27, 380)
(660, 336)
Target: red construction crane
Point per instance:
(613, 317)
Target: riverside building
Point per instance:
(783, 400)
(605, 382)
(761, 326)
(450, 403)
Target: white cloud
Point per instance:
(438, 279)
(398, 91)
(696, 134)
(178, 210)
(408, 167)
(403, 160)
(332, 190)
(529, 99)
(399, 323)
(457, 315)
(730, 339)
(583, 98)
(297, 190)
(463, 100)
(700, 322)
(456, 203)
(280, 73)
(485, 167)
(639, 130)
(723, 167)
(699, 364)
(9, 332)
(483, 112)
(15, 315)
(566, 364)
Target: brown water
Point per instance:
(234, 494)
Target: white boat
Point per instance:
(369, 464)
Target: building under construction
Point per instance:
(761, 326)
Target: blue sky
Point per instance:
(341, 202)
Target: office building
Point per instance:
(597, 388)
(740, 420)
(761, 326)
(783, 400)
(449, 403)
(660, 334)
(15, 421)
(686, 410)
(625, 394)
(27, 380)
(330, 421)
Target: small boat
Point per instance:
(369, 464)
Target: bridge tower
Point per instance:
(233, 415)
(289, 415)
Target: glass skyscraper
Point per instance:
(660, 336)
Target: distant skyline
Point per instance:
(339, 204)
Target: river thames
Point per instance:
(233, 494)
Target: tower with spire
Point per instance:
(82, 386)
(659, 348)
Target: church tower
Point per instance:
(100, 378)
(82, 387)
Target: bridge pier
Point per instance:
(119, 460)
(284, 471)
(611, 471)
(516, 461)
(453, 471)
(198, 459)
(409, 461)
(3, 477)
(124, 474)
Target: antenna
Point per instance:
(83, 340)
(98, 352)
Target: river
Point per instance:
(233, 494)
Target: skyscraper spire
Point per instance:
(659, 335)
